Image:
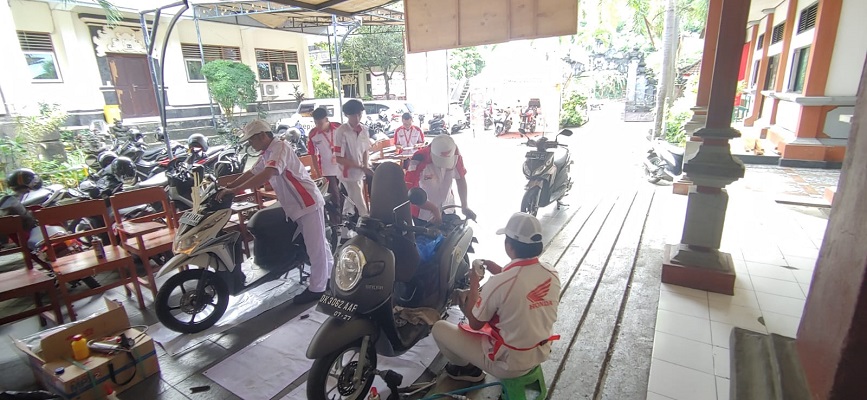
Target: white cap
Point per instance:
(443, 152)
(254, 128)
(523, 227)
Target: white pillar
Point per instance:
(15, 79)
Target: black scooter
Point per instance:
(373, 272)
(547, 173)
(664, 161)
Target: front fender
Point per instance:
(183, 259)
(334, 334)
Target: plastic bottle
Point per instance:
(79, 348)
(374, 394)
(110, 394)
(479, 268)
(98, 248)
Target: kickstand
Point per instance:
(561, 204)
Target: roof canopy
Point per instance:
(303, 16)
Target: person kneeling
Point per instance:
(510, 321)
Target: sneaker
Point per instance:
(307, 297)
(467, 373)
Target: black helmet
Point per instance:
(105, 158)
(353, 107)
(23, 179)
(198, 140)
(122, 167)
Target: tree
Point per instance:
(112, 14)
(231, 84)
(322, 88)
(666, 81)
(465, 62)
(377, 50)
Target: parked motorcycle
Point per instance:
(458, 124)
(437, 125)
(664, 161)
(489, 117)
(296, 136)
(195, 298)
(547, 173)
(375, 271)
(502, 122)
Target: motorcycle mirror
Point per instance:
(417, 196)
(566, 132)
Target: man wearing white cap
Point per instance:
(433, 169)
(297, 194)
(510, 321)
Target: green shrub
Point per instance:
(231, 84)
(573, 112)
(676, 117)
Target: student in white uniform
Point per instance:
(434, 168)
(351, 146)
(320, 145)
(297, 194)
(511, 320)
(407, 136)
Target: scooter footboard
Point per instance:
(335, 333)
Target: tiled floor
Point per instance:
(774, 249)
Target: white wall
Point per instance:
(427, 81)
(850, 49)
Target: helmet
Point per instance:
(353, 107)
(122, 167)
(444, 152)
(105, 158)
(198, 140)
(23, 179)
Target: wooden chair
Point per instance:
(310, 165)
(241, 205)
(265, 196)
(27, 281)
(145, 236)
(83, 264)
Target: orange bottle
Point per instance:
(79, 348)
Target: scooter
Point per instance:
(502, 122)
(547, 173)
(664, 161)
(208, 260)
(373, 272)
(437, 125)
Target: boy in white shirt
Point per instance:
(351, 146)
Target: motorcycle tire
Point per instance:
(212, 282)
(532, 127)
(498, 130)
(530, 202)
(321, 371)
(654, 176)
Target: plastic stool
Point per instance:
(515, 388)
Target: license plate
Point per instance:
(190, 218)
(337, 308)
(537, 155)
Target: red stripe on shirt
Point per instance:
(305, 195)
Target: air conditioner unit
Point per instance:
(268, 89)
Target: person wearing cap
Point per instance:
(408, 136)
(320, 145)
(434, 168)
(351, 145)
(297, 194)
(511, 318)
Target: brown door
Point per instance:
(132, 82)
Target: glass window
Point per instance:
(194, 70)
(755, 76)
(264, 70)
(799, 69)
(292, 72)
(773, 63)
(278, 72)
(42, 66)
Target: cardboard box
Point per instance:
(49, 350)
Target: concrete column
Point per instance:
(15, 78)
(696, 261)
(763, 68)
(832, 337)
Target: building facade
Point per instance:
(804, 63)
(69, 55)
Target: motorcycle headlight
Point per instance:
(347, 269)
(187, 244)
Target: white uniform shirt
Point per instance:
(324, 142)
(407, 138)
(296, 191)
(437, 182)
(354, 146)
(521, 304)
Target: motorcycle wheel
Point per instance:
(331, 377)
(654, 176)
(530, 202)
(187, 304)
(498, 130)
(532, 126)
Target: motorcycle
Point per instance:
(375, 271)
(502, 122)
(489, 118)
(547, 173)
(194, 299)
(460, 123)
(296, 136)
(437, 125)
(664, 161)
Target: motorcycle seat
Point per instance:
(676, 150)
(560, 157)
(153, 153)
(146, 165)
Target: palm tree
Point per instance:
(112, 14)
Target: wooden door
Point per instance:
(133, 85)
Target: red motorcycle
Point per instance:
(528, 116)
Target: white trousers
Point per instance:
(312, 227)
(461, 348)
(354, 192)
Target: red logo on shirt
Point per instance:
(446, 153)
(271, 163)
(537, 295)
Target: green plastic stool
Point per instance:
(516, 388)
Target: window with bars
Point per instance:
(778, 32)
(193, 58)
(760, 42)
(807, 20)
(799, 69)
(277, 65)
(38, 51)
